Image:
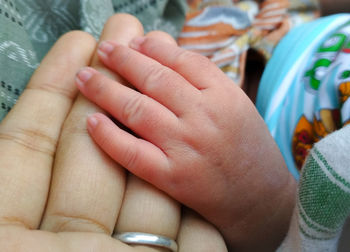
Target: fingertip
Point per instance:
(83, 75)
(105, 48)
(136, 43)
(161, 36)
(94, 120)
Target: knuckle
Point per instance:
(18, 221)
(131, 157)
(134, 108)
(154, 76)
(33, 139)
(75, 125)
(53, 88)
(62, 222)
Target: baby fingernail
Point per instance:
(92, 122)
(83, 76)
(105, 48)
(136, 42)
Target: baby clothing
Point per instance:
(225, 30)
(303, 94)
(323, 201)
(303, 97)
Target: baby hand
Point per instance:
(197, 137)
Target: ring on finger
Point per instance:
(147, 239)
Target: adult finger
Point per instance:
(28, 135)
(198, 235)
(87, 186)
(14, 238)
(145, 208)
(148, 210)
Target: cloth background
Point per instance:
(224, 30)
(229, 28)
(28, 29)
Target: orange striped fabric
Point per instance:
(224, 30)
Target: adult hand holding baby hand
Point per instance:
(58, 191)
(201, 139)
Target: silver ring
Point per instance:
(147, 239)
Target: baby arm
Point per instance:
(201, 140)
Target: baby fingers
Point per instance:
(149, 76)
(140, 157)
(140, 113)
(195, 68)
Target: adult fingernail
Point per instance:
(92, 122)
(137, 42)
(105, 48)
(83, 76)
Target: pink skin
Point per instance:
(198, 137)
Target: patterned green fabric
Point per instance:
(16, 56)
(28, 29)
(323, 202)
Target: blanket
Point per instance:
(28, 29)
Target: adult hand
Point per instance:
(72, 198)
